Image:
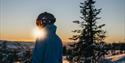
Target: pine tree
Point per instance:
(88, 48)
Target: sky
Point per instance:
(17, 18)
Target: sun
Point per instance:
(39, 33)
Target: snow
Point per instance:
(117, 58)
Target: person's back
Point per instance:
(48, 50)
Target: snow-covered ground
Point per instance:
(110, 59)
(117, 58)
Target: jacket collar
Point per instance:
(51, 28)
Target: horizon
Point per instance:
(17, 20)
(64, 43)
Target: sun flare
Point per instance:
(39, 33)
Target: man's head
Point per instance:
(45, 19)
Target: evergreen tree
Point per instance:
(89, 48)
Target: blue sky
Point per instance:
(17, 17)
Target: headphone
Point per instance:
(45, 19)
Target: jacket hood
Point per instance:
(51, 28)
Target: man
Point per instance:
(49, 49)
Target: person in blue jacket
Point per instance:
(48, 50)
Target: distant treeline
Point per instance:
(115, 46)
(107, 46)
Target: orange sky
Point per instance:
(64, 38)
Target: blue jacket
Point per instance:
(48, 50)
